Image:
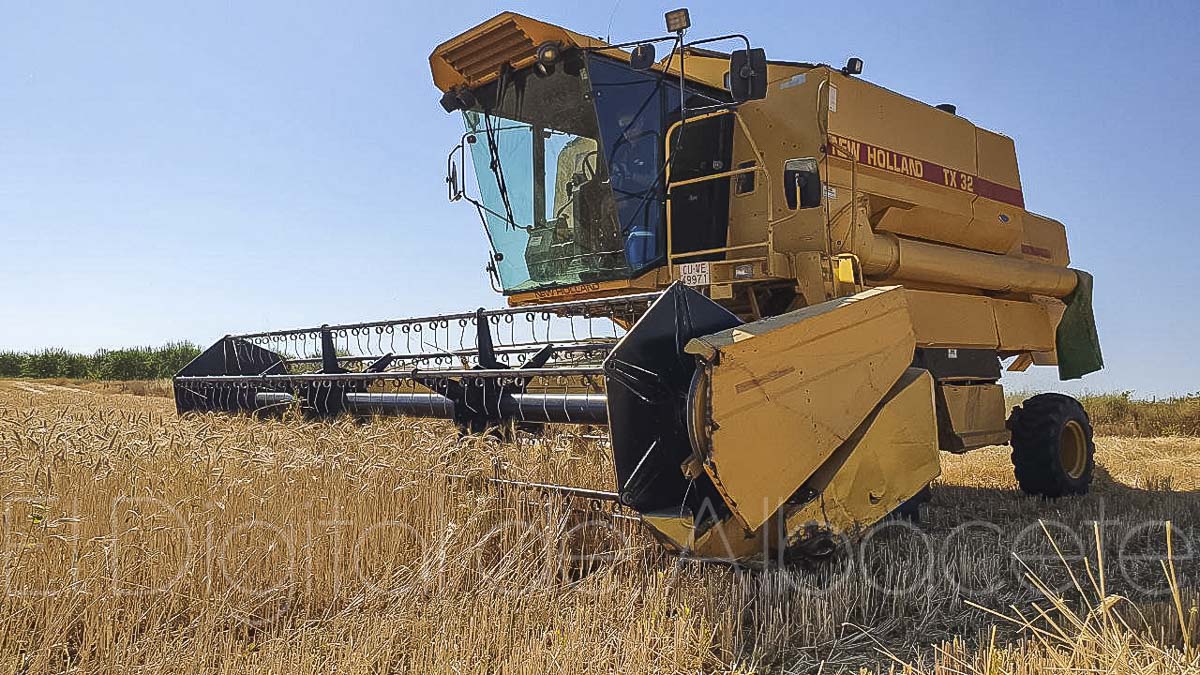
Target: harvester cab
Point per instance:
(569, 164)
(783, 289)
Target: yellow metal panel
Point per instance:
(785, 392)
(952, 320)
(995, 226)
(712, 67)
(778, 134)
(649, 281)
(1021, 363)
(886, 119)
(881, 143)
(1045, 241)
(1023, 326)
(720, 291)
(997, 158)
(933, 212)
(726, 540)
(810, 279)
(891, 458)
(997, 211)
(958, 185)
(1054, 309)
(845, 271)
(979, 322)
(977, 413)
(1045, 358)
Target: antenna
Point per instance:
(611, 16)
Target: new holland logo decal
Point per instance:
(922, 169)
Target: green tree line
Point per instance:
(137, 363)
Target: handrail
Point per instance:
(722, 249)
(838, 152)
(713, 176)
(760, 166)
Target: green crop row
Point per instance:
(138, 363)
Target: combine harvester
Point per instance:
(784, 289)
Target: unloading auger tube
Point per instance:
(731, 440)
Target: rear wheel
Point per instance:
(1052, 449)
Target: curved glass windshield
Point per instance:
(546, 202)
(569, 170)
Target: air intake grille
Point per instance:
(484, 54)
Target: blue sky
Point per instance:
(185, 170)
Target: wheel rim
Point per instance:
(1072, 449)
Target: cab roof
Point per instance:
(476, 56)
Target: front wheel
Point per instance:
(910, 510)
(1053, 454)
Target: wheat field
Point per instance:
(134, 541)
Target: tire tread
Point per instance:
(1036, 426)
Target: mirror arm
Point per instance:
(731, 36)
(713, 108)
(634, 43)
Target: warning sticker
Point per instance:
(794, 81)
(695, 274)
(832, 98)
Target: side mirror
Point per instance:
(453, 187)
(642, 57)
(456, 182)
(801, 183)
(748, 75)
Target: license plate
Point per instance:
(695, 274)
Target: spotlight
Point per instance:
(466, 98)
(678, 20)
(547, 53)
(459, 98)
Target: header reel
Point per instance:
(478, 369)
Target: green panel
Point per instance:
(1077, 342)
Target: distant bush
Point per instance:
(138, 363)
(124, 364)
(11, 364)
(172, 357)
(54, 363)
(1123, 415)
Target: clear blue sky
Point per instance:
(183, 170)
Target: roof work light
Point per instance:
(678, 20)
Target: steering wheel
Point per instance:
(588, 170)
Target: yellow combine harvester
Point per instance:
(784, 289)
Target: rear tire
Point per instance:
(1053, 454)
